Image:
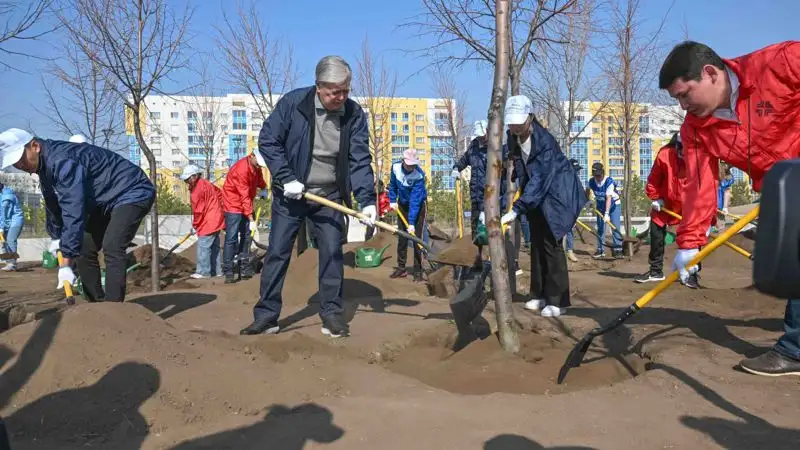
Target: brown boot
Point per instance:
(571, 256)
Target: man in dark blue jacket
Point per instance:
(315, 140)
(95, 199)
(552, 197)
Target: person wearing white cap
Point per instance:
(408, 194)
(316, 140)
(241, 185)
(552, 197)
(207, 221)
(78, 139)
(95, 200)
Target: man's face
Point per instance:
(333, 95)
(701, 98)
(521, 129)
(29, 162)
(482, 140)
(192, 181)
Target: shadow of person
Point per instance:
(29, 358)
(282, 428)
(517, 442)
(104, 414)
(171, 304)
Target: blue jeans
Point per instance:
(789, 343)
(11, 235)
(208, 259)
(570, 240)
(616, 237)
(237, 242)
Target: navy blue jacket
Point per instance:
(476, 157)
(287, 140)
(408, 189)
(549, 181)
(78, 180)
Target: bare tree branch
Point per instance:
(21, 22)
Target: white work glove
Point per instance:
(508, 217)
(725, 210)
(65, 274)
(657, 205)
(253, 225)
(482, 218)
(54, 246)
(682, 258)
(607, 218)
(371, 214)
(293, 190)
(455, 173)
(411, 229)
(393, 206)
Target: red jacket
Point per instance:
(240, 187)
(665, 182)
(768, 130)
(207, 217)
(383, 204)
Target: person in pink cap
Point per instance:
(407, 194)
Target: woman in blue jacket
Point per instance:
(407, 194)
(13, 220)
(552, 197)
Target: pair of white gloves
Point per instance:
(684, 256)
(65, 274)
(294, 190)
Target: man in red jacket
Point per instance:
(745, 111)
(243, 182)
(664, 189)
(207, 221)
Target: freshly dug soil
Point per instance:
(176, 268)
(460, 252)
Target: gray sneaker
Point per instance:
(771, 364)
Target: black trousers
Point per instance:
(658, 236)
(549, 275)
(111, 232)
(402, 242)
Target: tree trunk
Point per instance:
(500, 283)
(151, 162)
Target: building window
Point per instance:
(176, 152)
(579, 149)
(578, 124)
(420, 140)
(420, 128)
(610, 129)
(596, 141)
(644, 124)
(378, 117)
(176, 164)
(645, 156)
(394, 117)
(420, 117)
(405, 129)
(155, 115)
(174, 139)
(397, 153)
(595, 130)
(174, 115)
(238, 103)
(156, 151)
(405, 117)
(596, 152)
(191, 127)
(400, 140)
(394, 128)
(155, 140)
(239, 119)
(255, 127)
(191, 115)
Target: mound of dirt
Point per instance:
(176, 268)
(483, 367)
(460, 252)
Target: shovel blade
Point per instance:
(9, 255)
(575, 356)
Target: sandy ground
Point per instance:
(169, 371)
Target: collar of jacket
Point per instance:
(746, 88)
(307, 107)
(40, 167)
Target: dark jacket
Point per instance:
(476, 157)
(548, 181)
(287, 140)
(78, 180)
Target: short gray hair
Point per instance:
(333, 69)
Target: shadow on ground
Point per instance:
(517, 442)
(168, 304)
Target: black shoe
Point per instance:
(649, 277)
(335, 326)
(229, 279)
(260, 327)
(247, 276)
(399, 272)
(771, 364)
(418, 277)
(599, 255)
(617, 254)
(693, 282)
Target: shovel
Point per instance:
(175, 247)
(579, 351)
(405, 222)
(7, 255)
(730, 245)
(592, 232)
(626, 241)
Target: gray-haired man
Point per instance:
(315, 140)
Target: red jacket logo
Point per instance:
(764, 108)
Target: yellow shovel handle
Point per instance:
(730, 245)
(258, 214)
(67, 285)
(602, 216)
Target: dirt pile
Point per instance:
(460, 252)
(174, 271)
(483, 367)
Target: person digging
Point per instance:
(745, 111)
(608, 204)
(552, 196)
(208, 221)
(13, 219)
(316, 139)
(95, 200)
(407, 195)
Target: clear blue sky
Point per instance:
(316, 28)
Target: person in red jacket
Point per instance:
(745, 111)
(207, 221)
(243, 182)
(664, 189)
(383, 208)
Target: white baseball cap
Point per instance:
(410, 157)
(190, 170)
(479, 127)
(12, 145)
(78, 139)
(259, 158)
(518, 109)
